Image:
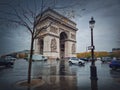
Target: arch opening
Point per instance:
(63, 37)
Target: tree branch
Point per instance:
(7, 13)
(37, 19)
(18, 22)
(38, 32)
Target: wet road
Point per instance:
(59, 77)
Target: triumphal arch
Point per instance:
(59, 38)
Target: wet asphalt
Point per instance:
(59, 75)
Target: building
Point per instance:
(115, 49)
(59, 39)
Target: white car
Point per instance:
(76, 61)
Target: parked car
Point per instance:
(90, 59)
(114, 64)
(76, 61)
(84, 59)
(38, 57)
(10, 58)
(6, 62)
(106, 59)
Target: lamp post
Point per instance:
(93, 69)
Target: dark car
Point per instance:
(6, 62)
(114, 64)
(84, 59)
(106, 59)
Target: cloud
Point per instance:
(106, 31)
(14, 40)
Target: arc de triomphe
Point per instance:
(59, 39)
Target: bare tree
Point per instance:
(29, 18)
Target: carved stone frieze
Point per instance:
(73, 48)
(53, 45)
(54, 29)
(72, 36)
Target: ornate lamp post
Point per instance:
(93, 69)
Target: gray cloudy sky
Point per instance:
(106, 31)
(107, 27)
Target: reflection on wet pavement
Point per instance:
(59, 75)
(56, 75)
(59, 83)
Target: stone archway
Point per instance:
(59, 39)
(63, 37)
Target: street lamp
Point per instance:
(93, 69)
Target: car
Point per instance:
(6, 62)
(114, 64)
(106, 59)
(84, 59)
(76, 61)
(10, 58)
(38, 57)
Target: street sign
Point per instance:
(91, 47)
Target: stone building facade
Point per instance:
(57, 40)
